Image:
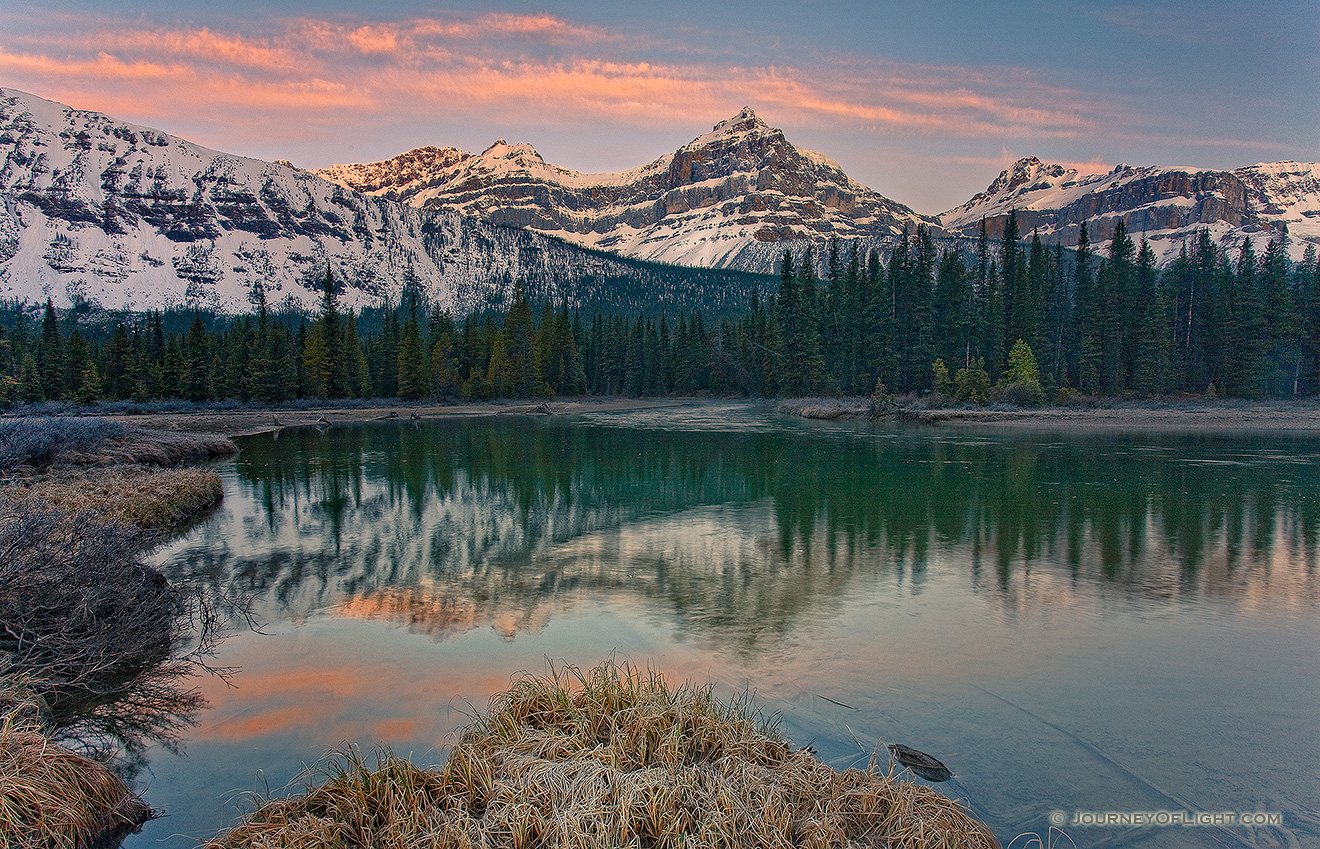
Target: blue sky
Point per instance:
(923, 101)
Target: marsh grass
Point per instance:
(54, 798)
(824, 408)
(610, 757)
(153, 499)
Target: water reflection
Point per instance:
(1076, 623)
(450, 525)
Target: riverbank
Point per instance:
(122, 472)
(249, 422)
(1189, 415)
(87, 631)
(1173, 415)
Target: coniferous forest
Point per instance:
(1011, 320)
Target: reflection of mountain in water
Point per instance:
(452, 525)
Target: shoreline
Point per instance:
(1188, 416)
(251, 422)
(1184, 416)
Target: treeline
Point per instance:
(1011, 316)
(412, 353)
(1010, 320)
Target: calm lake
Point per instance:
(1096, 622)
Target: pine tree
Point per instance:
(413, 371)
(521, 344)
(1017, 299)
(75, 364)
(337, 378)
(949, 312)
(1279, 321)
(1153, 365)
(197, 361)
(172, 369)
(316, 363)
(117, 357)
(50, 354)
(357, 374)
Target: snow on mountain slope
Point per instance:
(94, 209)
(1286, 194)
(707, 204)
(1166, 204)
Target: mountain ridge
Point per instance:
(93, 209)
(704, 204)
(100, 210)
(1168, 204)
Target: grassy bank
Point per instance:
(1083, 413)
(95, 646)
(611, 757)
(54, 798)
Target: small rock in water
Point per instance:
(920, 763)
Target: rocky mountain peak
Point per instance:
(725, 195)
(1025, 171)
(501, 149)
(745, 121)
(390, 176)
(1166, 204)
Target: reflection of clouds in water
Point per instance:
(1115, 585)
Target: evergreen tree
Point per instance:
(50, 354)
(357, 374)
(316, 367)
(414, 378)
(172, 369)
(1153, 372)
(337, 378)
(75, 364)
(197, 361)
(521, 350)
(950, 319)
(1279, 322)
(117, 357)
(1017, 295)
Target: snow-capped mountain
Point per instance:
(98, 210)
(727, 199)
(1166, 204)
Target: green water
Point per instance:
(1103, 622)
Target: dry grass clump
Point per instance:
(824, 408)
(166, 448)
(53, 798)
(612, 757)
(149, 498)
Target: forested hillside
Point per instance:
(1018, 322)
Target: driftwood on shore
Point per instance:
(542, 409)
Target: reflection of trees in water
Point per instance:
(455, 524)
(1211, 513)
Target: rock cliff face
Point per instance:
(708, 203)
(93, 209)
(1167, 205)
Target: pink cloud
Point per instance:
(347, 74)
